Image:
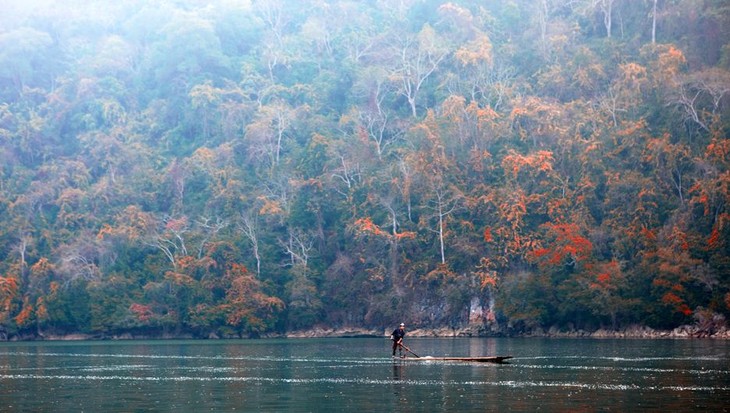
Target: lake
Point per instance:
(357, 374)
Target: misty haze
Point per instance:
(235, 169)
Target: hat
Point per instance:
(402, 325)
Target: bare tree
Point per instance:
(377, 125)
(418, 59)
(248, 225)
(653, 22)
(373, 117)
(606, 7)
(298, 247)
(589, 7)
(266, 134)
(168, 238)
(349, 174)
(80, 259)
(445, 201)
(701, 96)
(24, 242)
(209, 230)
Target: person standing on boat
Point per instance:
(397, 336)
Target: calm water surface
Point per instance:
(312, 375)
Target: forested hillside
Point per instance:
(248, 167)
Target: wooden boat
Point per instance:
(486, 359)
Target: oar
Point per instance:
(409, 350)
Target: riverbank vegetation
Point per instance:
(257, 167)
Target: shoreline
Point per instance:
(631, 332)
(474, 331)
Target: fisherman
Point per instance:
(397, 337)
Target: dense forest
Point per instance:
(248, 167)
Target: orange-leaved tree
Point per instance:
(248, 309)
(673, 269)
(8, 295)
(565, 246)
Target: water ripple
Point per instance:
(613, 368)
(366, 381)
(176, 357)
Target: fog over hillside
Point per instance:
(244, 168)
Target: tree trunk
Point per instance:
(653, 23)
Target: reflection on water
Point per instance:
(358, 374)
(398, 371)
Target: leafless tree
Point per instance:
(248, 225)
(209, 229)
(418, 59)
(298, 247)
(445, 201)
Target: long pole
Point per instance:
(409, 350)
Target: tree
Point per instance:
(249, 227)
(205, 98)
(548, 163)
(433, 166)
(80, 259)
(268, 132)
(169, 238)
(538, 121)
(673, 163)
(364, 227)
(373, 120)
(702, 96)
(568, 248)
(603, 289)
(22, 50)
(674, 270)
(247, 308)
(298, 247)
(589, 7)
(304, 303)
(186, 51)
(443, 204)
(527, 299)
(418, 58)
(8, 295)
(626, 93)
(653, 21)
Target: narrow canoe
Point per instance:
(492, 359)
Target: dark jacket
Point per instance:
(398, 334)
